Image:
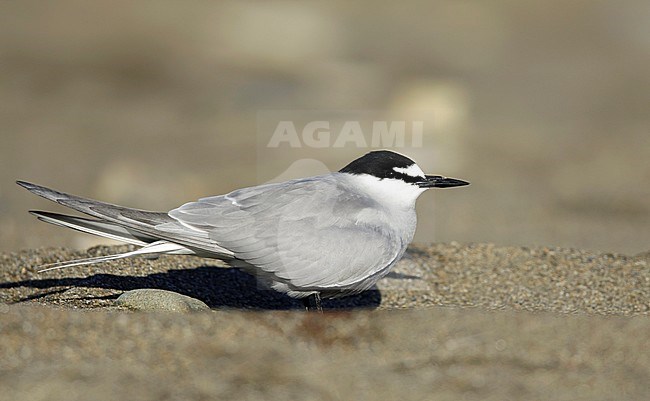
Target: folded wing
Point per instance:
(309, 233)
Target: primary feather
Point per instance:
(152, 226)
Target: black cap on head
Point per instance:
(381, 164)
(386, 164)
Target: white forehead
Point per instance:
(413, 170)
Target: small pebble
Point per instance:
(148, 299)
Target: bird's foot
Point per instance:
(312, 303)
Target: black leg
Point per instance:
(312, 303)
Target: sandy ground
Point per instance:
(451, 322)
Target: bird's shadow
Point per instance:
(217, 287)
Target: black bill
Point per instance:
(437, 181)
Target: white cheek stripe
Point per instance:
(413, 170)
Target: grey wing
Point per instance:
(126, 224)
(310, 233)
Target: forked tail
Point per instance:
(155, 232)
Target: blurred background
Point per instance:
(543, 106)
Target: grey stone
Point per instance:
(147, 299)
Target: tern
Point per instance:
(325, 236)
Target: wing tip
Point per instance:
(44, 192)
(40, 214)
(34, 188)
(25, 184)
